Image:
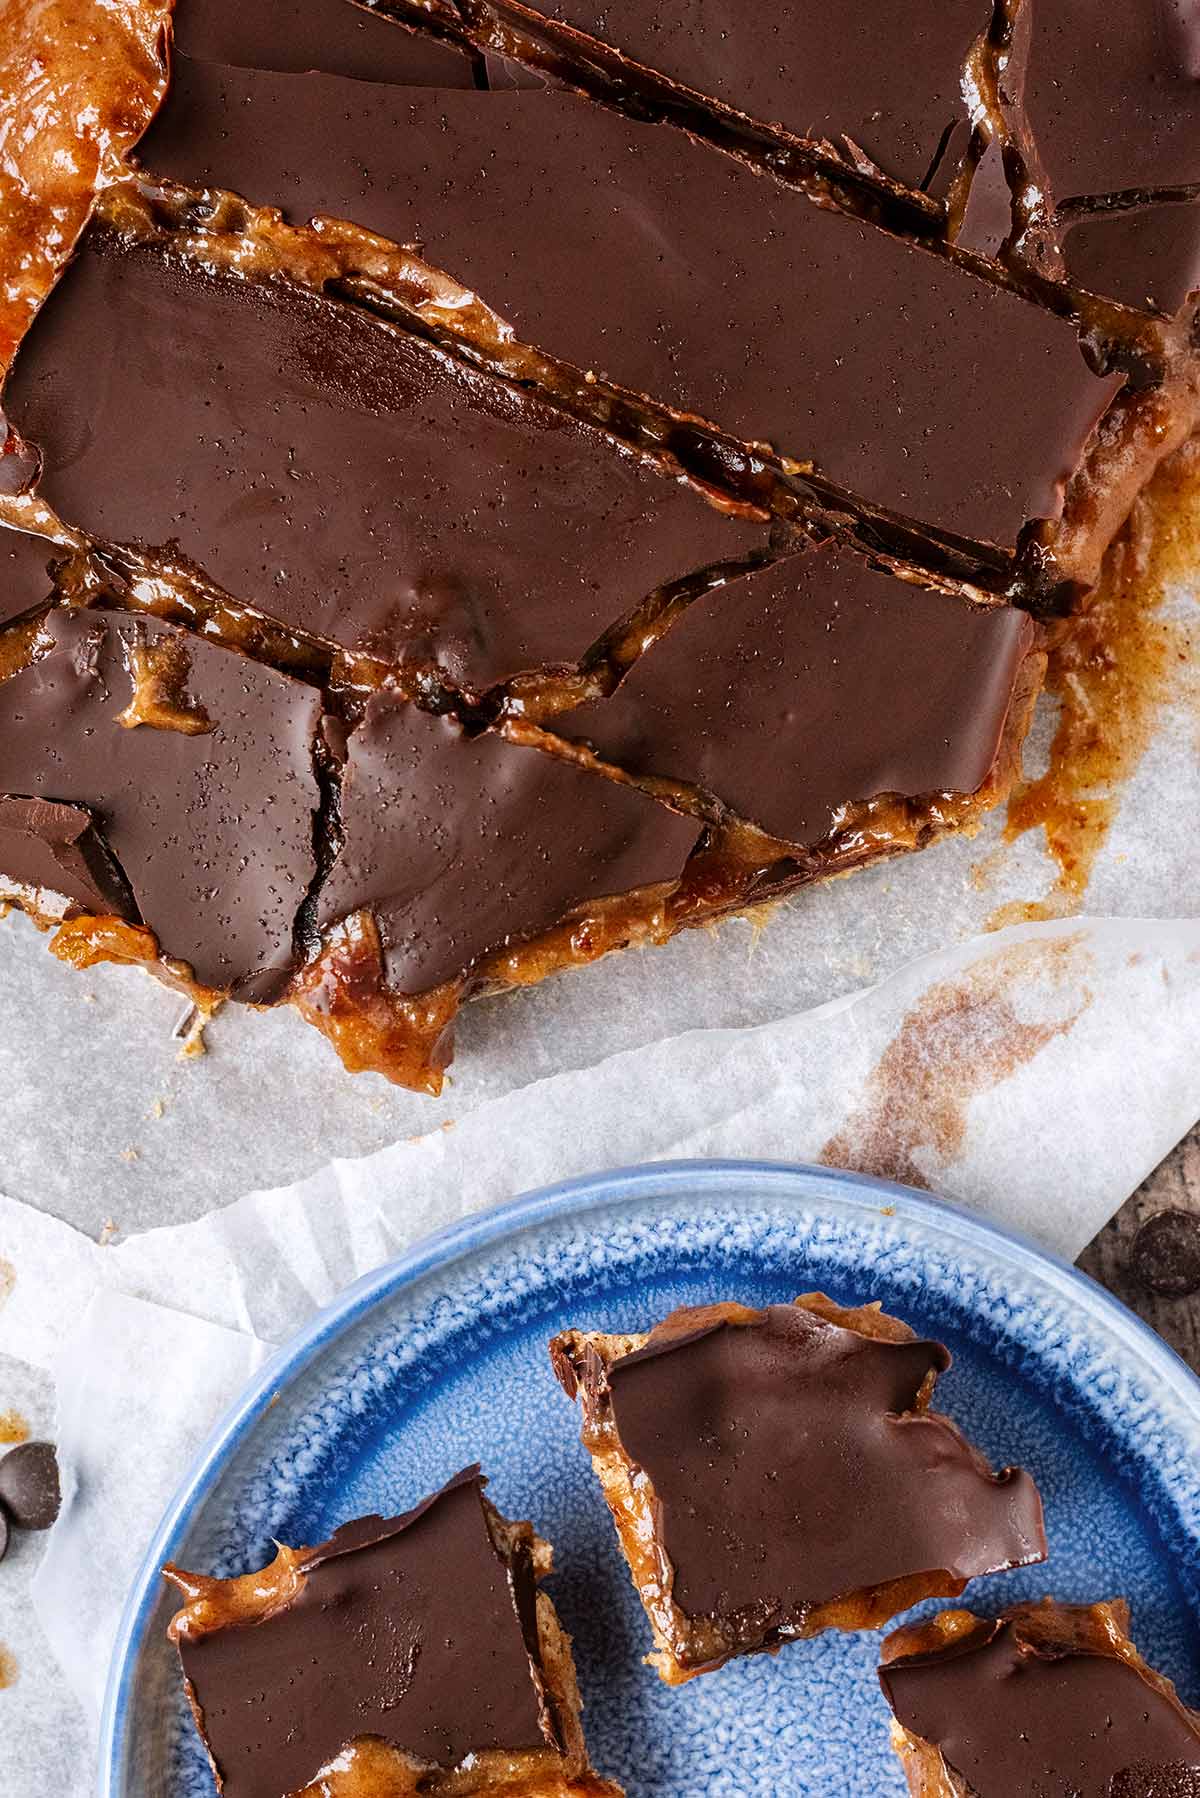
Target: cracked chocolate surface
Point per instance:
(458, 845)
(349, 480)
(723, 293)
(329, 35)
(890, 80)
(1048, 1699)
(505, 467)
(1111, 94)
(212, 832)
(857, 684)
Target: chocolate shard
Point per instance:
(812, 684)
(332, 35)
(778, 1472)
(212, 831)
(460, 845)
(25, 580)
(902, 378)
(888, 79)
(1107, 99)
(46, 847)
(417, 1646)
(1146, 256)
(349, 480)
(1047, 1698)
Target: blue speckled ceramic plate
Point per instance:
(439, 1359)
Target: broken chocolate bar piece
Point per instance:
(1146, 256)
(1049, 1699)
(1107, 99)
(817, 682)
(406, 1655)
(195, 768)
(58, 850)
(895, 374)
(458, 845)
(350, 480)
(335, 36)
(889, 80)
(775, 1473)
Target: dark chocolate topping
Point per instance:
(460, 845)
(889, 77)
(811, 684)
(60, 849)
(332, 35)
(408, 1629)
(24, 572)
(787, 1477)
(1111, 92)
(347, 479)
(30, 1491)
(723, 293)
(212, 831)
(1147, 256)
(1010, 1719)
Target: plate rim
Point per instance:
(480, 1229)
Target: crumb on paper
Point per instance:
(8, 1668)
(887, 1211)
(108, 1230)
(131, 1154)
(157, 1109)
(8, 1278)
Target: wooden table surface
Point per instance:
(1149, 1255)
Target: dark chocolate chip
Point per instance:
(1165, 1256)
(29, 1485)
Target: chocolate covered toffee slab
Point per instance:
(1048, 1698)
(531, 540)
(406, 1655)
(775, 1473)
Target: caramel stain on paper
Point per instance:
(961, 1038)
(8, 1668)
(1112, 675)
(13, 1427)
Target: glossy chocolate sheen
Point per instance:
(53, 848)
(412, 1629)
(460, 845)
(811, 684)
(888, 77)
(786, 1475)
(212, 832)
(709, 287)
(1111, 93)
(332, 35)
(24, 573)
(1148, 256)
(1011, 1720)
(343, 477)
